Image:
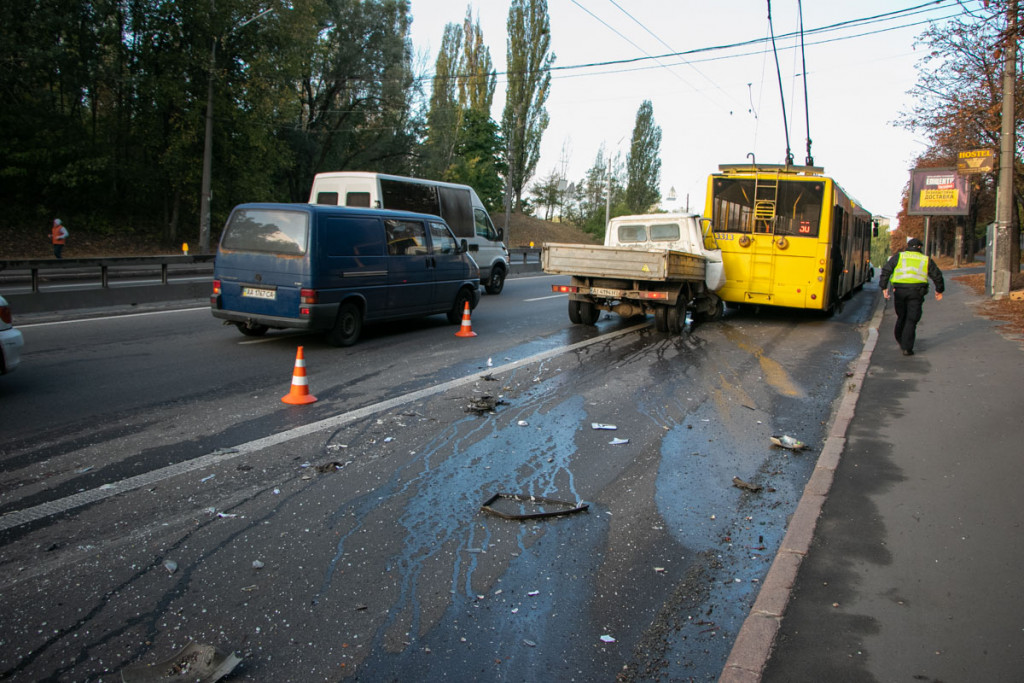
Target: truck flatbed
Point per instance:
(661, 265)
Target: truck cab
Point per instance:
(685, 232)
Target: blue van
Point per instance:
(332, 268)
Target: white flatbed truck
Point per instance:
(660, 264)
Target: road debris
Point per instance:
(786, 441)
(600, 425)
(328, 467)
(618, 442)
(607, 639)
(194, 662)
(740, 484)
(171, 566)
(206, 479)
(557, 507)
(523, 423)
(257, 565)
(485, 404)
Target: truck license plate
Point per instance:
(258, 293)
(601, 291)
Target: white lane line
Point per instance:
(17, 518)
(114, 317)
(544, 298)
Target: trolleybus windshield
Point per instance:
(797, 209)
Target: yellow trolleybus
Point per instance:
(790, 236)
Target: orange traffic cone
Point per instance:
(299, 394)
(466, 329)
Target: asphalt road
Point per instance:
(346, 538)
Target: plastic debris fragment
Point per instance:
(523, 423)
(194, 662)
(786, 441)
(740, 484)
(600, 425)
(256, 564)
(618, 442)
(607, 639)
(171, 566)
(206, 479)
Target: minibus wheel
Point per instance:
(347, 326)
(496, 282)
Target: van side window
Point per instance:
(442, 239)
(484, 228)
(330, 198)
(406, 238)
(353, 237)
(360, 199)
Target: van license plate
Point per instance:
(257, 293)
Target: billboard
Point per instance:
(938, 192)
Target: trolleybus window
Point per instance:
(797, 206)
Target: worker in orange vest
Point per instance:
(58, 235)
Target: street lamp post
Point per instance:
(204, 199)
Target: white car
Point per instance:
(10, 340)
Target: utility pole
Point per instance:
(1002, 248)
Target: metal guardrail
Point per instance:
(525, 252)
(87, 265)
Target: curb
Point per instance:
(756, 638)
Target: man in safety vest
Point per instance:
(58, 235)
(908, 271)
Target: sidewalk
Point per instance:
(915, 570)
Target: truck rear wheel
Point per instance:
(676, 318)
(661, 319)
(574, 312)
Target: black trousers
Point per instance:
(908, 302)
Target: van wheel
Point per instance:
(496, 282)
(347, 327)
(252, 330)
(455, 314)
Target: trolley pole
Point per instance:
(1002, 256)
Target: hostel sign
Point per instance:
(976, 161)
(938, 192)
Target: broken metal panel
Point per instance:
(564, 507)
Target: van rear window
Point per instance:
(270, 230)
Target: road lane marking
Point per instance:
(16, 518)
(113, 317)
(543, 298)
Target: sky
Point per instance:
(717, 106)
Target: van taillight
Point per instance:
(5, 314)
(307, 296)
(216, 287)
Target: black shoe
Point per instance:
(908, 352)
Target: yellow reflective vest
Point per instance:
(911, 269)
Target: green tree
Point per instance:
(478, 80)
(525, 118)
(477, 161)
(643, 163)
(444, 117)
